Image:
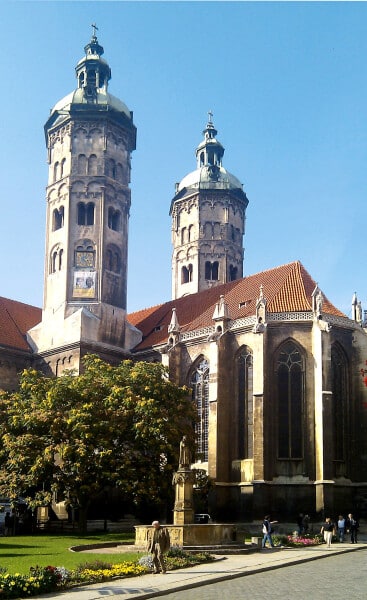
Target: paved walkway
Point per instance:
(227, 567)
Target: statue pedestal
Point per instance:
(211, 534)
(183, 512)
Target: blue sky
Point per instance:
(286, 82)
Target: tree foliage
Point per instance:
(116, 426)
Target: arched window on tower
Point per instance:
(90, 213)
(183, 235)
(58, 218)
(113, 259)
(119, 173)
(186, 274)
(114, 219)
(211, 270)
(199, 383)
(289, 368)
(56, 259)
(232, 273)
(62, 167)
(85, 214)
(92, 165)
(56, 170)
(82, 164)
(340, 390)
(190, 233)
(245, 404)
(61, 252)
(81, 213)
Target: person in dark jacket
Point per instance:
(352, 528)
(158, 543)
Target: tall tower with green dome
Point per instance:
(208, 222)
(90, 136)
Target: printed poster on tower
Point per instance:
(84, 284)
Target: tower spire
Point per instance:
(209, 152)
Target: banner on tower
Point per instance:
(84, 284)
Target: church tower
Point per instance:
(90, 136)
(208, 222)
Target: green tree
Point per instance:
(75, 435)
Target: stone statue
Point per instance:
(185, 458)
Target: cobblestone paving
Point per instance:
(337, 577)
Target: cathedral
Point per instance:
(277, 372)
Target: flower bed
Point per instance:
(297, 541)
(47, 579)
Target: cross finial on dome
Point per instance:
(95, 28)
(210, 117)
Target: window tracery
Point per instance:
(290, 391)
(199, 383)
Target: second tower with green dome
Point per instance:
(208, 222)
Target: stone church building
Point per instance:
(277, 372)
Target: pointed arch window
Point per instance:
(245, 403)
(339, 377)
(199, 383)
(290, 391)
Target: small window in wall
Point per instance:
(190, 232)
(85, 213)
(212, 270)
(114, 219)
(58, 218)
(62, 167)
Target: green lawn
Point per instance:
(19, 553)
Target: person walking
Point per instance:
(328, 530)
(341, 528)
(352, 527)
(267, 530)
(158, 543)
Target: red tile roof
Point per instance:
(16, 319)
(287, 288)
